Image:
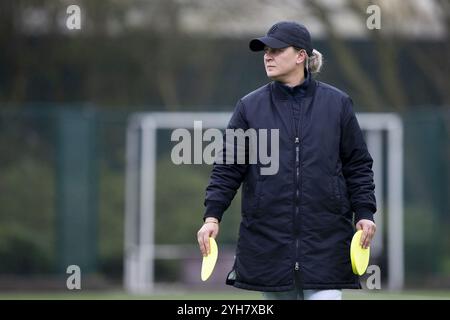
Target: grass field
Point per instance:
(348, 295)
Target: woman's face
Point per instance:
(281, 64)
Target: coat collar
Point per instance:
(281, 92)
(280, 99)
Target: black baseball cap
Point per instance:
(284, 34)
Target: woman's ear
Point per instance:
(301, 56)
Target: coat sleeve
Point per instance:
(225, 179)
(356, 165)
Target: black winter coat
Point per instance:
(298, 222)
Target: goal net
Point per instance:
(384, 138)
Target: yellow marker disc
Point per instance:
(210, 260)
(358, 255)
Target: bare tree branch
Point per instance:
(347, 60)
(387, 57)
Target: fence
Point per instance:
(62, 189)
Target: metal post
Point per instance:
(375, 146)
(395, 202)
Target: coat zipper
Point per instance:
(298, 186)
(297, 189)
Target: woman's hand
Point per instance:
(209, 229)
(369, 228)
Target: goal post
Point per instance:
(139, 245)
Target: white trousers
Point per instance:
(304, 295)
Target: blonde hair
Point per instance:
(314, 62)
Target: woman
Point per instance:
(297, 225)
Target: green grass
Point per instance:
(244, 295)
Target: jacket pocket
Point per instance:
(257, 195)
(251, 201)
(344, 197)
(336, 195)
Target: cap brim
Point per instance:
(259, 43)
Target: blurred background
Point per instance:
(66, 97)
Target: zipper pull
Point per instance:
(297, 267)
(297, 149)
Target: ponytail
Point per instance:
(314, 62)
